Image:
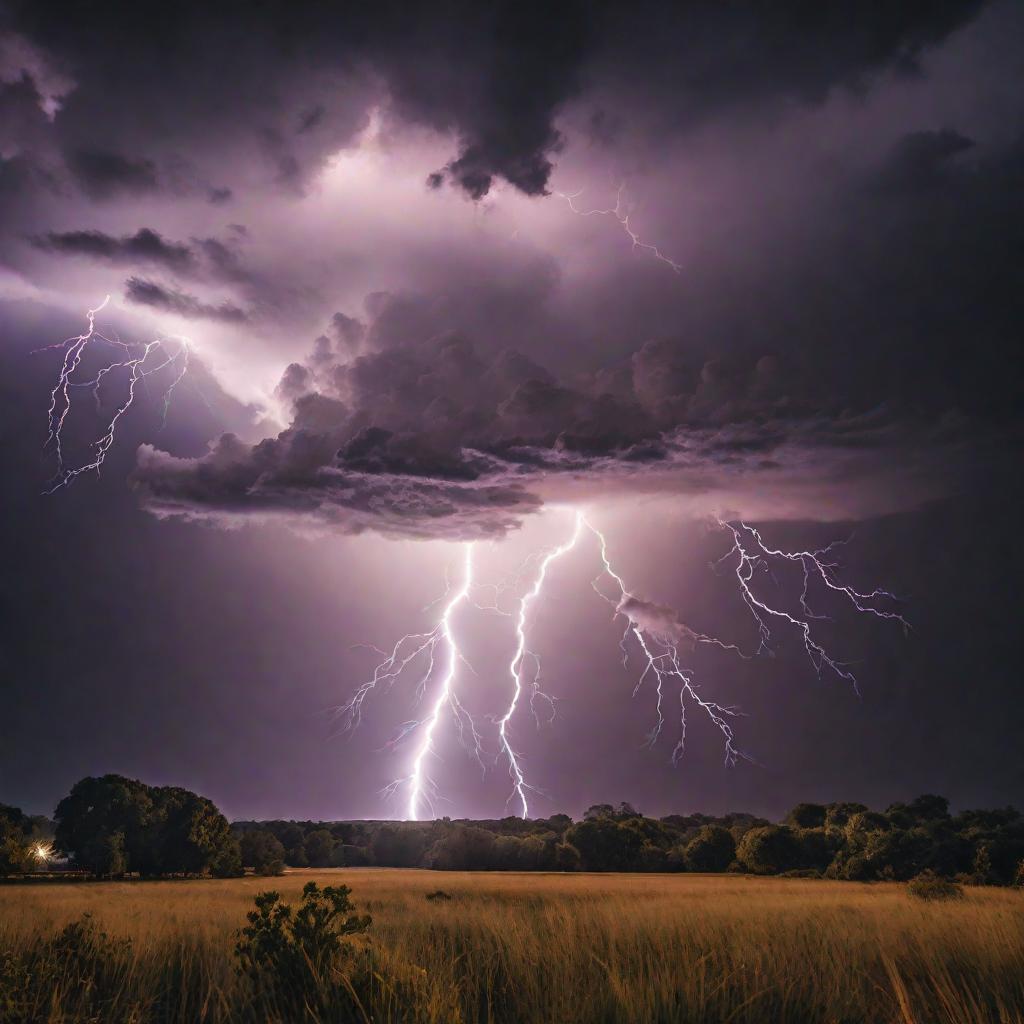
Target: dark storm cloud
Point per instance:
(103, 174)
(148, 293)
(145, 246)
(495, 76)
(427, 436)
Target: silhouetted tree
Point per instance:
(15, 832)
(262, 851)
(399, 846)
(711, 849)
(112, 825)
(604, 845)
(319, 846)
(807, 816)
(770, 850)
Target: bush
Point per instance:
(301, 960)
(930, 886)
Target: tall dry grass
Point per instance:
(549, 948)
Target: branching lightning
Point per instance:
(406, 651)
(517, 665)
(621, 216)
(137, 365)
(661, 660)
(753, 555)
(660, 644)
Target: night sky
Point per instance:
(395, 237)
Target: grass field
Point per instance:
(548, 948)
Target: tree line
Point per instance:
(112, 826)
(837, 840)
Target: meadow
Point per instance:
(555, 948)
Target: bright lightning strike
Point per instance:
(519, 659)
(137, 365)
(406, 651)
(621, 216)
(660, 641)
(446, 695)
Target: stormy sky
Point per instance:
(445, 272)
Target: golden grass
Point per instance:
(636, 948)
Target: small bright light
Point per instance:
(43, 852)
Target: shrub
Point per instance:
(930, 886)
(438, 895)
(294, 960)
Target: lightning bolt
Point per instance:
(660, 656)
(138, 366)
(433, 645)
(621, 216)
(517, 665)
(660, 650)
(753, 555)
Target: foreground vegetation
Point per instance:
(518, 948)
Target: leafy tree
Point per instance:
(807, 816)
(711, 849)
(817, 846)
(567, 857)
(838, 814)
(399, 846)
(464, 848)
(319, 846)
(103, 822)
(770, 850)
(921, 810)
(193, 835)
(112, 825)
(620, 813)
(296, 857)
(262, 851)
(604, 844)
(15, 832)
(898, 854)
(864, 822)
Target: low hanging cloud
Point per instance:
(495, 78)
(430, 438)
